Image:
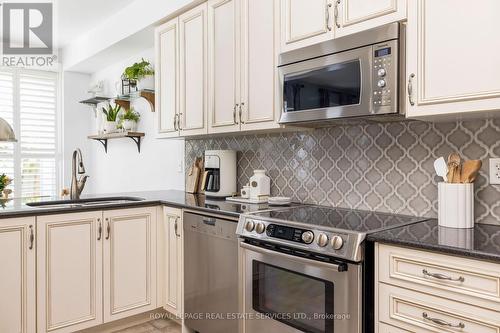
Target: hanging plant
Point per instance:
(138, 70)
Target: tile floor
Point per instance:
(155, 326)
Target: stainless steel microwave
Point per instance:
(352, 76)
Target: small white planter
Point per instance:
(146, 83)
(129, 125)
(456, 205)
(109, 126)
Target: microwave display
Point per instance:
(330, 86)
(383, 52)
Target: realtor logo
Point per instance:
(27, 28)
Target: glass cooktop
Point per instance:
(340, 218)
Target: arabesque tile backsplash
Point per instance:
(385, 167)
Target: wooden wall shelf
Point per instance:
(103, 138)
(147, 94)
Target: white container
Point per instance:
(109, 126)
(456, 205)
(260, 184)
(129, 125)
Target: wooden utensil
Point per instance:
(454, 162)
(193, 178)
(470, 169)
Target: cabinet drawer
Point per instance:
(384, 328)
(418, 312)
(466, 280)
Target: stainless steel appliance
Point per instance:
(354, 76)
(303, 269)
(210, 273)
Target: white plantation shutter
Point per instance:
(28, 101)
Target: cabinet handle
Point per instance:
(32, 237)
(328, 6)
(234, 114)
(336, 13)
(410, 89)
(99, 230)
(179, 121)
(175, 122)
(176, 227)
(108, 229)
(241, 113)
(442, 322)
(442, 277)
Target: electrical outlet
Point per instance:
(494, 171)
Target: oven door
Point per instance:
(285, 293)
(328, 87)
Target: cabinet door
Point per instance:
(193, 71)
(129, 262)
(224, 65)
(17, 275)
(69, 272)
(170, 260)
(357, 15)
(305, 23)
(167, 78)
(260, 49)
(452, 60)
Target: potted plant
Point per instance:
(140, 72)
(111, 115)
(4, 182)
(129, 119)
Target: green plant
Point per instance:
(4, 181)
(139, 70)
(112, 112)
(130, 114)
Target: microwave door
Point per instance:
(333, 86)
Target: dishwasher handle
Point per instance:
(209, 221)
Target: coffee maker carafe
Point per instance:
(220, 168)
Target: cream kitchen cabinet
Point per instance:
(129, 262)
(170, 258)
(167, 79)
(17, 275)
(452, 59)
(243, 49)
(192, 116)
(69, 272)
(352, 16)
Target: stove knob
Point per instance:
(337, 242)
(381, 72)
(260, 227)
(249, 226)
(381, 83)
(307, 237)
(322, 240)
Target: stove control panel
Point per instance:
(289, 233)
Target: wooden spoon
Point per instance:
(470, 170)
(453, 168)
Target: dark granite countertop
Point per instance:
(481, 242)
(19, 207)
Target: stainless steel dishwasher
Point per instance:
(210, 273)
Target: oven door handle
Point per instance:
(295, 258)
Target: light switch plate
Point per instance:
(494, 171)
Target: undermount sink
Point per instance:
(83, 202)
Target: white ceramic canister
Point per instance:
(260, 184)
(456, 205)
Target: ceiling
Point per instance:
(75, 17)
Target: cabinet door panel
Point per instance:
(17, 276)
(167, 68)
(69, 272)
(439, 57)
(223, 59)
(260, 36)
(129, 262)
(305, 23)
(359, 15)
(193, 71)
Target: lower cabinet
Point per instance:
(95, 267)
(17, 275)
(170, 258)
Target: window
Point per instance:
(28, 101)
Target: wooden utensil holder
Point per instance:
(456, 205)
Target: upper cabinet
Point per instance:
(304, 23)
(446, 39)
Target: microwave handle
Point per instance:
(305, 261)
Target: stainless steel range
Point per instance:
(303, 268)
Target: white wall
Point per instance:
(122, 169)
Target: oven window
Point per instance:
(298, 300)
(330, 86)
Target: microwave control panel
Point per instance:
(384, 76)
